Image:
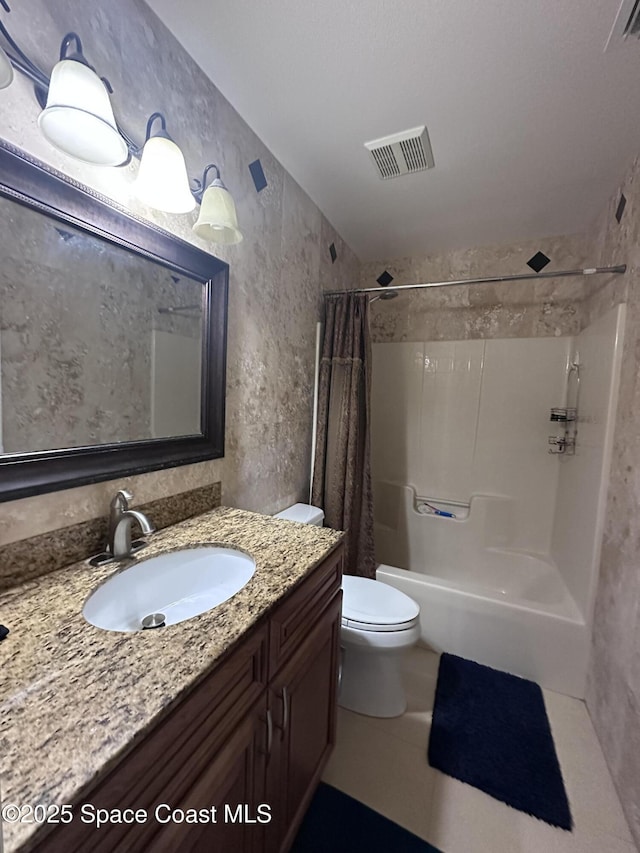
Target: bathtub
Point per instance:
(530, 627)
(500, 606)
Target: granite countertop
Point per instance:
(73, 697)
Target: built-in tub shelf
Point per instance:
(406, 537)
(441, 508)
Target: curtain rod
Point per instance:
(621, 268)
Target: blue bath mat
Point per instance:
(491, 730)
(336, 823)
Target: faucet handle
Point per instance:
(121, 500)
(118, 506)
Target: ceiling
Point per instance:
(532, 124)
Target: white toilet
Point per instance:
(379, 623)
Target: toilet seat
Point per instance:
(370, 605)
(368, 626)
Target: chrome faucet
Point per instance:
(120, 520)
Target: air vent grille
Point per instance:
(386, 162)
(414, 155)
(402, 153)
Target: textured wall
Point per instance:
(277, 272)
(514, 309)
(613, 692)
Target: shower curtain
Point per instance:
(342, 473)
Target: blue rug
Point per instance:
(491, 730)
(336, 823)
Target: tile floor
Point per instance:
(383, 764)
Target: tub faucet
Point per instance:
(120, 520)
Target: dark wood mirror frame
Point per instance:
(35, 185)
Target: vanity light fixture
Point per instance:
(217, 221)
(78, 118)
(162, 180)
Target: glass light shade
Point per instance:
(218, 221)
(78, 118)
(6, 70)
(162, 180)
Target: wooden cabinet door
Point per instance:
(234, 782)
(303, 703)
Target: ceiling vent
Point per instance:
(402, 153)
(626, 27)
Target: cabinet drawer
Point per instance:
(291, 621)
(155, 766)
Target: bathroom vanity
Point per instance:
(234, 709)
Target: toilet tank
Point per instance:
(304, 513)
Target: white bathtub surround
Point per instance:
(580, 501)
(175, 382)
(510, 581)
(383, 764)
(461, 418)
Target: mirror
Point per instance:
(97, 344)
(112, 338)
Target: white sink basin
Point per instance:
(178, 585)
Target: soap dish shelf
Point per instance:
(564, 444)
(563, 415)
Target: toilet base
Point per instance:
(371, 681)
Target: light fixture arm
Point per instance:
(39, 80)
(78, 56)
(136, 150)
(163, 127)
(199, 187)
(64, 47)
(206, 172)
(21, 61)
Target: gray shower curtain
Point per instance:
(342, 472)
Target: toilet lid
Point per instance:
(370, 603)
